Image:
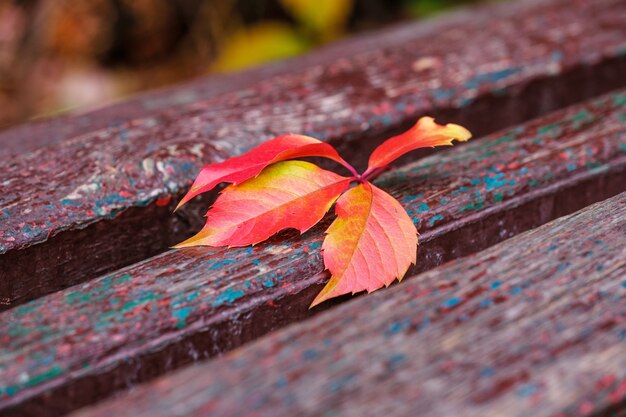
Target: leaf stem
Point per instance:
(350, 168)
(373, 174)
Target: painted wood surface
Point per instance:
(534, 326)
(73, 347)
(98, 197)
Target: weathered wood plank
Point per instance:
(583, 37)
(89, 202)
(534, 326)
(75, 346)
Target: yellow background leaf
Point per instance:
(260, 43)
(326, 17)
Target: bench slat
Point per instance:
(93, 201)
(534, 326)
(73, 347)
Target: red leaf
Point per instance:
(293, 194)
(371, 243)
(425, 133)
(240, 168)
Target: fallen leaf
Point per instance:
(292, 194)
(424, 134)
(240, 168)
(371, 243)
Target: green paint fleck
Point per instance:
(181, 315)
(619, 100)
(123, 278)
(582, 116)
(53, 372)
(551, 130)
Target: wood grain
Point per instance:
(78, 345)
(95, 196)
(534, 326)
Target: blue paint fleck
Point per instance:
(228, 296)
(527, 390)
(556, 55)
(490, 77)
(310, 354)
(451, 302)
(341, 382)
(221, 264)
(68, 202)
(315, 245)
(398, 326)
(443, 93)
(281, 382)
(433, 219)
(495, 284)
(181, 315)
(397, 360)
(487, 302)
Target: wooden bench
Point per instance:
(486, 69)
(78, 345)
(131, 316)
(533, 326)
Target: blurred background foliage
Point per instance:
(57, 55)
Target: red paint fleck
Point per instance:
(586, 407)
(605, 381)
(619, 394)
(64, 349)
(125, 194)
(163, 201)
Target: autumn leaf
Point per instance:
(424, 134)
(240, 168)
(293, 194)
(371, 243)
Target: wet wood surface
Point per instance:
(76, 346)
(534, 326)
(87, 194)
